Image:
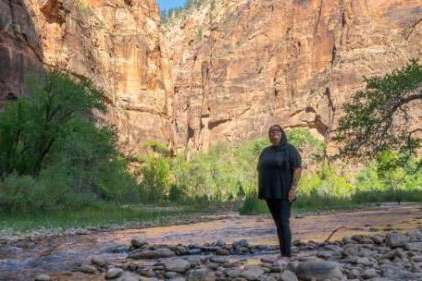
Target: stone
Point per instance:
(138, 242)
(222, 252)
(219, 259)
(42, 277)
(127, 276)
(113, 273)
(89, 269)
(364, 261)
(233, 273)
(396, 239)
(240, 243)
(369, 273)
(415, 236)
(417, 259)
(177, 265)
(171, 274)
(151, 254)
(318, 270)
(201, 274)
(413, 246)
(288, 276)
(99, 261)
(252, 273)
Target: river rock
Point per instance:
(378, 239)
(252, 273)
(233, 273)
(42, 277)
(138, 242)
(88, 269)
(99, 261)
(369, 273)
(413, 246)
(240, 243)
(128, 276)
(396, 239)
(219, 259)
(318, 270)
(287, 275)
(201, 274)
(417, 258)
(194, 251)
(222, 252)
(177, 265)
(151, 254)
(394, 272)
(113, 273)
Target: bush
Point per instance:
(225, 173)
(156, 179)
(391, 177)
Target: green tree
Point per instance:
(370, 122)
(53, 153)
(31, 126)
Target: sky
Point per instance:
(167, 4)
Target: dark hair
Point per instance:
(283, 139)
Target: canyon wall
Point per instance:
(223, 72)
(241, 65)
(114, 43)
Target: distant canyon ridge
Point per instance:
(222, 72)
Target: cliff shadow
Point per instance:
(20, 48)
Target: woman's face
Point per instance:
(275, 135)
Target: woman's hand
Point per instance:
(292, 194)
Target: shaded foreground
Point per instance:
(214, 249)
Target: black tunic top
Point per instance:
(276, 165)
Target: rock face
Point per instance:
(242, 65)
(237, 66)
(114, 43)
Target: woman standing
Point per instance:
(279, 170)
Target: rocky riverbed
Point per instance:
(379, 257)
(377, 244)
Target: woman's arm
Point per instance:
(296, 163)
(296, 176)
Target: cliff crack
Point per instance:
(12, 15)
(319, 17)
(412, 28)
(333, 54)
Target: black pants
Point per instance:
(280, 211)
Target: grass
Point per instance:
(253, 205)
(106, 215)
(112, 215)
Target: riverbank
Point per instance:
(61, 255)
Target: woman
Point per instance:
(279, 170)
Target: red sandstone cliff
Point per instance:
(114, 43)
(241, 65)
(234, 68)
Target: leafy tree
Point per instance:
(31, 126)
(53, 153)
(371, 117)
